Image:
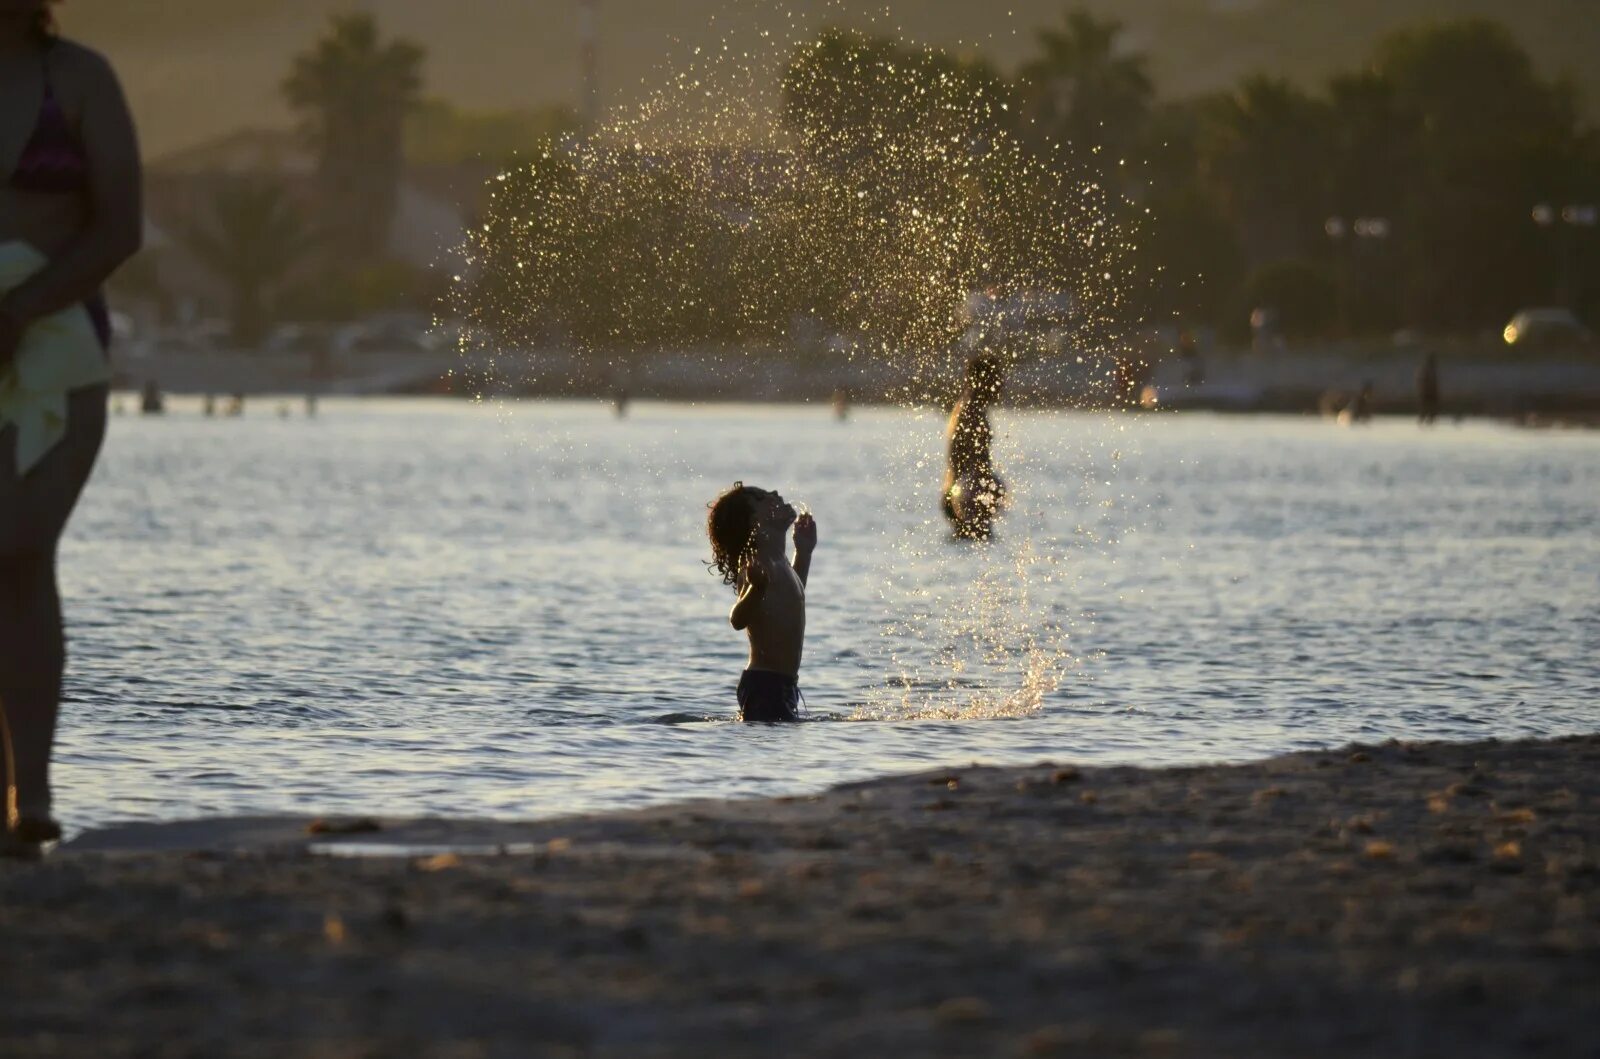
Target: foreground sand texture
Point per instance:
(1428, 900)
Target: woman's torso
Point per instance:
(30, 83)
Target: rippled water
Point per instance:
(425, 606)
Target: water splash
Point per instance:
(870, 206)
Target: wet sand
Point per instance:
(1435, 899)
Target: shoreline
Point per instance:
(1403, 899)
(1300, 380)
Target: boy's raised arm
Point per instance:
(805, 542)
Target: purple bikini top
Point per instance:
(54, 161)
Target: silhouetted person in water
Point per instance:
(973, 492)
(1428, 389)
(1361, 408)
(1194, 369)
(746, 526)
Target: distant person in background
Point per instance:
(70, 197)
(973, 492)
(1361, 407)
(1264, 336)
(1428, 389)
(1194, 369)
(1130, 382)
(151, 402)
(841, 403)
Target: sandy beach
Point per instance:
(1396, 900)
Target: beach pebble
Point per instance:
(964, 1010)
(358, 826)
(1449, 853)
(1055, 1040)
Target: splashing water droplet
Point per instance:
(868, 193)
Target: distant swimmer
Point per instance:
(151, 403)
(1357, 409)
(841, 403)
(1194, 368)
(1428, 390)
(1361, 412)
(974, 493)
(746, 526)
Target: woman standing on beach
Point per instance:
(70, 213)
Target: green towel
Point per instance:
(59, 353)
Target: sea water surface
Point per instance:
(418, 606)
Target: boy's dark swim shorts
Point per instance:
(768, 696)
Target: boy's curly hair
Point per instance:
(730, 524)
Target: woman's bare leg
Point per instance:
(33, 512)
(31, 684)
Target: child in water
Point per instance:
(973, 491)
(746, 526)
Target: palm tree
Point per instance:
(352, 93)
(1081, 93)
(1266, 153)
(254, 239)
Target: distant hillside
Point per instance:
(197, 68)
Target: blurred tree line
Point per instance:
(285, 254)
(1401, 194)
(902, 190)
